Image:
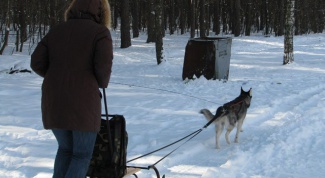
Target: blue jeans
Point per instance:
(74, 153)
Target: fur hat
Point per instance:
(98, 10)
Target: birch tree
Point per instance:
(288, 33)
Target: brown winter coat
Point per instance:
(75, 59)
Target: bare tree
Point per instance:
(5, 6)
(278, 10)
(216, 17)
(248, 18)
(52, 15)
(202, 19)
(288, 34)
(151, 22)
(159, 29)
(135, 18)
(22, 23)
(237, 16)
(193, 18)
(182, 15)
(171, 16)
(125, 24)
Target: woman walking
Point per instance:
(75, 59)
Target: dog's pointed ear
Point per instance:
(250, 92)
(241, 90)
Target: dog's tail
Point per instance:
(209, 116)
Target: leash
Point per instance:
(177, 141)
(153, 166)
(169, 91)
(189, 136)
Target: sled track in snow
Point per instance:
(293, 103)
(295, 126)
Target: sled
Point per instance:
(109, 155)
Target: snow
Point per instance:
(283, 132)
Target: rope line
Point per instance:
(169, 91)
(193, 133)
(199, 131)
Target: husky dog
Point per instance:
(230, 114)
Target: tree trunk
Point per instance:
(135, 18)
(248, 18)
(266, 18)
(22, 24)
(115, 13)
(17, 40)
(151, 22)
(125, 24)
(159, 29)
(193, 17)
(171, 17)
(52, 13)
(202, 19)
(5, 41)
(237, 17)
(225, 16)
(288, 36)
(216, 17)
(320, 15)
(207, 19)
(7, 26)
(280, 19)
(182, 18)
(143, 14)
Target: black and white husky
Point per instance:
(230, 114)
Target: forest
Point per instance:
(29, 20)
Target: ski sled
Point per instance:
(109, 154)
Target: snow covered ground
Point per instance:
(283, 133)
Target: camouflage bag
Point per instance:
(109, 155)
